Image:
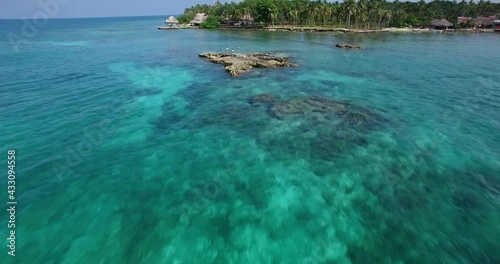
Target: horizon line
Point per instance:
(119, 16)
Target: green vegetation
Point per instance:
(185, 18)
(212, 22)
(350, 13)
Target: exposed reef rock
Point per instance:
(347, 46)
(236, 63)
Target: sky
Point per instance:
(94, 8)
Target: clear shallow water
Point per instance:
(131, 149)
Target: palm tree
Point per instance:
(387, 16)
(334, 12)
(363, 11)
(294, 14)
(324, 11)
(350, 9)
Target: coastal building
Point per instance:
(198, 19)
(243, 21)
(496, 25)
(462, 20)
(247, 20)
(440, 24)
(172, 22)
(483, 22)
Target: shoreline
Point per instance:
(320, 29)
(347, 30)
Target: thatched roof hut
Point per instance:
(171, 20)
(441, 24)
(198, 19)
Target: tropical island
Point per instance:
(350, 15)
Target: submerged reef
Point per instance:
(317, 109)
(318, 127)
(310, 126)
(262, 99)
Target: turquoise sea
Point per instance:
(132, 149)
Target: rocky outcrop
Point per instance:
(236, 63)
(347, 46)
